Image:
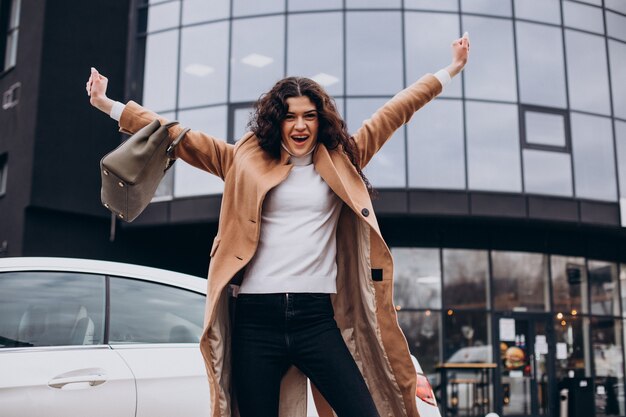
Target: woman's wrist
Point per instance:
(103, 104)
(454, 68)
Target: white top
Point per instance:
(297, 246)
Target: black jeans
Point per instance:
(273, 332)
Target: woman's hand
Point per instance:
(97, 90)
(460, 52)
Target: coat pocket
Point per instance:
(216, 244)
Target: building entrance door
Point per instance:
(524, 382)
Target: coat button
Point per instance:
(365, 212)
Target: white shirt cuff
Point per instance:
(116, 110)
(444, 77)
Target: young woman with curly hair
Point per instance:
(299, 250)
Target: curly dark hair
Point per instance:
(271, 109)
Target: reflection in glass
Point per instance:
(387, 168)
(541, 84)
(617, 54)
(299, 5)
(254, 7)
(204, 65)
(163, 16)
(493, 7)
(583, 17)
(620, 139)
(569, 284)
(165, 190)
(321, 60)
(616, 25)
(422, 331)
(603, 288)
(159, 78)
(374, 52)
(547, 172)
(436, 149)
(493, 147)
(417, 278)
(195, 11)
(427, 40)
(51, 309)
(547, 11)
(544, 128)
(442, 5)
(594, 168)
(606, 339)
(586, 61)
(520, 281)
(242, 117)
(572, 355)
(466, 278)
(467, 336)
(257, 62)
(144, 312)
(492, 72)
(188, 180)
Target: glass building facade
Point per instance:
(540, 110)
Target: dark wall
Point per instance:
(71, 135)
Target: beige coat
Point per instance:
(363, 305)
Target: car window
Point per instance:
(51, 309)
(145, 312)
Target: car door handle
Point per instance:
(93, 380)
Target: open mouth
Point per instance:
(300, 138)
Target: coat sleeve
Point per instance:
(376, 130)
(198, 149)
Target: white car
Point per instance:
(92, 338)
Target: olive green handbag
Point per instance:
(132, 172)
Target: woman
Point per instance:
(299, 247)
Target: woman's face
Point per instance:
(299, 127)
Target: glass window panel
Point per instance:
(620, 132)
(491, 74)
(603, 288)
(569, 284)
(573, 333)
(195, 11)
(606, 338)
(617, 54)
(188, 180)
(586, 62)
(442, 5)
(493, 7)
(165, 190)
(374, 53)
(254, 7)
(388, 167)
(520, 281)
(617, 5)
(548, 11)
(541, 84)
(493, 147)
(242, 117)
(622, 280)
(583, 17)
(204, 65)
(386, 4)
(163, 16)
(257, 62)
(593, 2)
(14, 17)
(145, 312)
(594, 167)
(427, 46)
(299, 5)
(422, 330)
(547, 172)
(417, 278)
(616, 25)
(466, 278)
(467, 336)
(51, 309)
(159, 78)
(436, 148)
(545, 128)
(10, 56)
(321, 60)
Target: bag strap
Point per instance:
(173, 146)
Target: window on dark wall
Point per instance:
(9, 28)
(3, 174)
